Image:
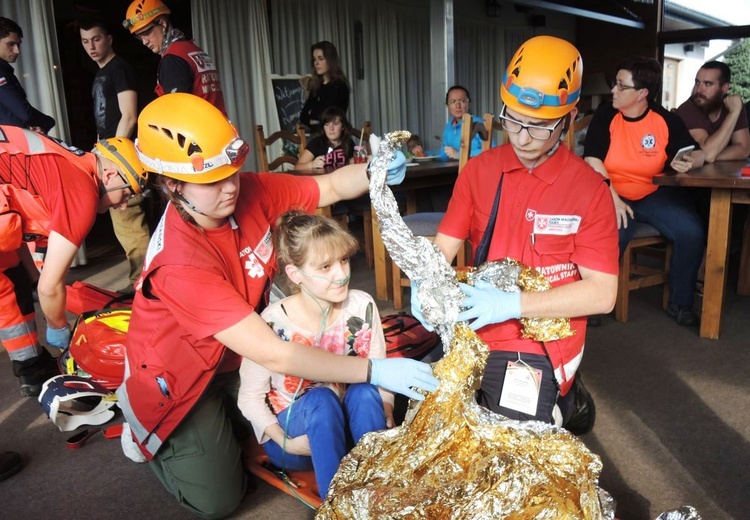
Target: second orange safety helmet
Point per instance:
(122, 152)
(142, 12)
(185, 137)
(543, 79)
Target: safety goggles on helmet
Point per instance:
(513, 126)
(233, 154)
(142, 12)
(72, 401)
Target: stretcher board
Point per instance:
(303, 481)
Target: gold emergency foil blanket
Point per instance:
(453, 459)
(510, 275)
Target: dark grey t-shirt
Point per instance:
(115, 77)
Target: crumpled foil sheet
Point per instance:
(683, 513)
(454, 459)
(451, 458)
(511, 276)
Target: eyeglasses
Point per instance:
(621, 87)
(145, 192)
(536, 132)
(454, 102)
(145, 33)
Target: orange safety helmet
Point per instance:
(543, 79)
(121, 151)
(142, 12)
(185, 137)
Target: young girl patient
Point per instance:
(305, 424)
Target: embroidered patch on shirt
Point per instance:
(264, 249)
(556, 224)
(3, 81)
(202, 61)
(254, 268)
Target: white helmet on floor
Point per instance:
(72, 401)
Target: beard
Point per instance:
(708, 105)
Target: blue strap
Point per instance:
(536, 98)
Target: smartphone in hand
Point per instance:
(682, 152)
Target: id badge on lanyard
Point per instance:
(521, 387)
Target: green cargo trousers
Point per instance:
(201, 462)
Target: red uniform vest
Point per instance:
(167, 370)
(206, 82)
(25, 210)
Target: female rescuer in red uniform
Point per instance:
(53, 190)
(209, 267)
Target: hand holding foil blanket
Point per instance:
(453, 458)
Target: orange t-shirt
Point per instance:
(634, 150)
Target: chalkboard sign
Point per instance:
(290, 98)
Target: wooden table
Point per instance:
(728, 186)
(423, 175)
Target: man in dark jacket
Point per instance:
(15, 109)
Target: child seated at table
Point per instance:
(414, 146)
(334, 147)
(305, 424)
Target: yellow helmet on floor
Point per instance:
(121, 151)
(142, 12)
(543, 79)
(185, 137)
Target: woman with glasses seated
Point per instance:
(458, 101)
(184, 67)
(553, 213)
(629, 141)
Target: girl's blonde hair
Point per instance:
(299, 235)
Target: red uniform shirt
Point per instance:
(201, 282)
(556, 218)
(61, 176)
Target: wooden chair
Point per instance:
(426, 224)
(635, 274)
(492, 125)
(297, 137)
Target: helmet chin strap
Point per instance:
(187, 203)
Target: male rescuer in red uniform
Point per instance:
(53, 190)
(184, 67)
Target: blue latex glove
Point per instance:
(416, 309)
(59, 338)
(401, 374)
(396, 169)
(486, 304)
